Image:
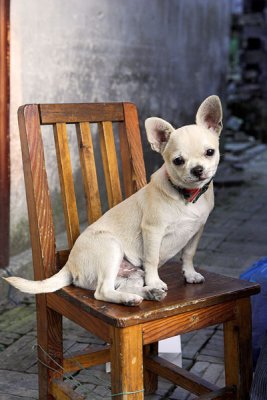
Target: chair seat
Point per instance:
(181, 297)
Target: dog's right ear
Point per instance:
(158, 133)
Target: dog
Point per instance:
(119, 255)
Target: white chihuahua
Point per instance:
(118, 256)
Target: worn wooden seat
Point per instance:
(131, 333)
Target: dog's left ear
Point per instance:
(210, 115)
(158, 133)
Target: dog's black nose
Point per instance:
(197, 171)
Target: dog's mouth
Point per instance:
(199, 180)
(196, 180)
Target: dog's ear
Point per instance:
(209, 114)
(158, 133)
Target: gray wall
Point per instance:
(164, 55)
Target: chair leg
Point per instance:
(237, 350)
(150, 379)
(50, 346)
(127, 363)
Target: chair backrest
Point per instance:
(46, 259)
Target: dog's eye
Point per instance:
(210, 152)
(178, 161)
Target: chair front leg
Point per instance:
(237, 350)
(127, 363)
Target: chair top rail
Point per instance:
(71, 113)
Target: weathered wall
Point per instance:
(165, 56)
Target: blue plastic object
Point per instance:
(259, 383)
(258, 273)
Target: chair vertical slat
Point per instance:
(126, 160)
(66, 182)
(89, 174)
(37, 192)
(110, 163)
(132, 131)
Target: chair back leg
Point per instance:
(50, 347)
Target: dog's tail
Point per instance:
(55, 282)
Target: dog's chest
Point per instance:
(186, 222)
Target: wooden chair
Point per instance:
(132, 333)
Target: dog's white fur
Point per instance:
(151, 226)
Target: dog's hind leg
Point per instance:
(108, 266)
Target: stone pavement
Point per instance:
(234, 237)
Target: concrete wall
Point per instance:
(164, 55)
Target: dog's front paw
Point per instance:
(194, 277)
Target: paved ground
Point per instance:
(234, 238)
